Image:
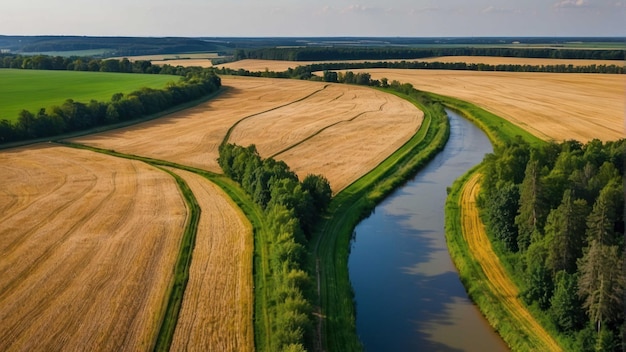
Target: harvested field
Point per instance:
(216, 313)
(192, 137)
(88, 244)
(553, 106)
(498, 281)
(345, 130)
(357, 143)
(494, 60)
(184, 62)
(280, 66)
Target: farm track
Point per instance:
(498, 280)
(98, 255)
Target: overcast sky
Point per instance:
(405, 18)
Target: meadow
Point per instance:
(36, 89)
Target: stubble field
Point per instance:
(552, 106)
(254, 65)
(338, 130)
(216, 312)
(88, 244)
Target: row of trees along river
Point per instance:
(557, 215)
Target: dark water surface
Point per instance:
(407, 291)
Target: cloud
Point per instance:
(360, 9)
(493, 9)
(571, 4)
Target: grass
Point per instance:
(498, 130)
(502, 317)
(181, 270)
(261, 234)
(331, 242)
(35, 89)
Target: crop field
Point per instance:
(337, 130)
(493, 60)
(216, 313)
(280, 66)
(88, 244)
(35, 89)
(497, 279)
(552, 106)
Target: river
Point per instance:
(407, 291)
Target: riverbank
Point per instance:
(331, 242)
(484, 277)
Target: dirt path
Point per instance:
(499, 283)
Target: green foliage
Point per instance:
(565, 305)
(331, 241)
(572, 252)
(73, 116)
(291, 210)
(501, 210)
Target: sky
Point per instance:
(309, 18)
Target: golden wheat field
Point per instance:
(494, 60)
(88, 244)
(216, 313)
(553, 106)
(498, 281)
(254, 65)
(338, 130)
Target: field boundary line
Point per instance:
(324, 129)
(232, 128)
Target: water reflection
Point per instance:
(408, 294)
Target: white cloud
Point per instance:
(571, 4)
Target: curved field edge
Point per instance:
(260, 230)
(100, 129)
(331, 242)
(503, 317)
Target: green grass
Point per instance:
(500, 132)
(331, 241)
(35, 89)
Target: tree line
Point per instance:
(386, 53)
(558, 212)
(292, 208)
(72, 116)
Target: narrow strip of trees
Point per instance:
(292, 208)
(386, 53)
(559, 212)
(72, 116)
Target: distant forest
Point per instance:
(387, 53)
(323, 48)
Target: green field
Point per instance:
(34, 89)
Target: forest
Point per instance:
(292, 208)
(389, 52)
(72, 116)
(557, 214)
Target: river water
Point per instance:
(407, 291)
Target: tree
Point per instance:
(565, 233)
(501, 210)
(319, 189)
(539, 284)
(565, 303)
(531, 205)
(601, 283)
